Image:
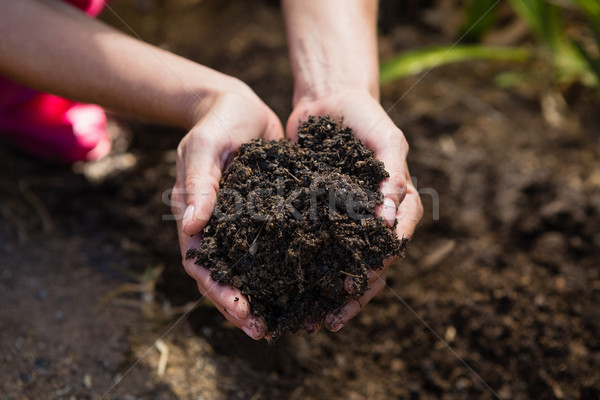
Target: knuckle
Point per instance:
(202, 290)
(189, 185)
(405, 145)
(420, 210)
(176, 200)
(180, 149)
(202, 138)
(398, 181)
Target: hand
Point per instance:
(371, 124)
(232, 119)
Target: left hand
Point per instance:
(371, 124)
(234, 118)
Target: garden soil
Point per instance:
(498, 296)
(294, 225)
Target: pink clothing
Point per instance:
(92, 7)
(49, 126)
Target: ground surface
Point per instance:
(507, 276)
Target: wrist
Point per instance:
(200, 101)
(332, 46)
(333, 94)
(334, 84)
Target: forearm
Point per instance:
(333, 46)
(54, 48)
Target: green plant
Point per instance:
(591, 9)
(480, 17)
(416, 61)
(570, 59)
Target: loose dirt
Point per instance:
(503, 267)
(295, 221)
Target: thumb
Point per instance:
(293, 122)
(395, 186)
(198, 172)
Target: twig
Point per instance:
(163, 349)
(349, 274)
(292, 175)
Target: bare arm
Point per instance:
(53, 47)
(333, 49)
(333, 46)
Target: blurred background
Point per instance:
(499, 102)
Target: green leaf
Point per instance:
(544, 19)
(593, 63)
(530, 12)
(509, 79)
(591, 9)
(479, 19)
(416, 61)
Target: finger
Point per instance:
(203, 153)
(392, 149)
(299, 114)
(253, 326)
(256, 328)
(199, 171)
(394, 191)
(336, 320)
(349, 285)
(227, 299)
(178, 203)
(230, 302)
(409, 213)
(312, 327)
(379, 274)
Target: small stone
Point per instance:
(87, 381)
(450, 334)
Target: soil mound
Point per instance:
(294, 220)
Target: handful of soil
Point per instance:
(292, 221)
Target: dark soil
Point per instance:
(503, 268)
(294, 221)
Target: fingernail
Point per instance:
(336, 326)
(312, 327)
(349, 285)
(255, 328)
(250, 332)
(333, 323)
(187, 215)
(389, 211)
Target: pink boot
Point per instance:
(48, 126)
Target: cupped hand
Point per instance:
(233, 118)
(371, 124)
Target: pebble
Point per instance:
(87, 381)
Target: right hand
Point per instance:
(371, 124)
(232, 119)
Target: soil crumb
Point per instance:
(294, 221)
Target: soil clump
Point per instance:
(294, 220)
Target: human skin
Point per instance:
(333, 50)
(334, 57)
(74, 56)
